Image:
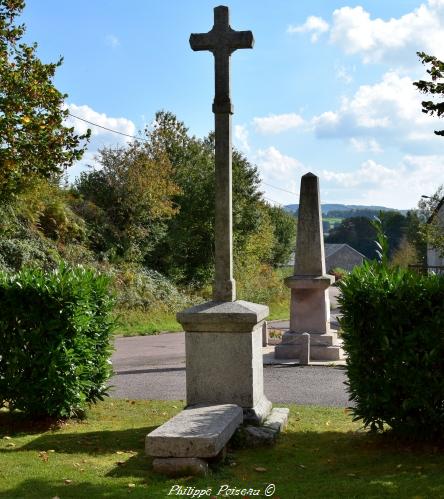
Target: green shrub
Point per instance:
(18, 253)
(338, 272)
(55, 331)
(145, 289)
(393, 332)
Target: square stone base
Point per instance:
(323, 347)
(223, 344)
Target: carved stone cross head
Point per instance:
(222, 41)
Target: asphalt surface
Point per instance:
(153, 367)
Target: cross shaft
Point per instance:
(222, 41)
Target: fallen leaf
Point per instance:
(260, 469)
(11, 444)
(7, 438)
(51, 450)
(399, 465)
(131, 485)
(67, 482)
(120, 452)
(327, 423)
(233, 464)
(43, 456)
(301, 466)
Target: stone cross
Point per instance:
(222, 41)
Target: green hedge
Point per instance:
(393, 332)
(55, 331)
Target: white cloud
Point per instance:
(389, 111)
(395, 40)
(241, 137)
(99, 136)
(398, 186)
(122, 125)
(369, 173)
(273, 163)
(365, 145)
(112, 41)
(314, 25)
(277, 123)
(280, 174)
(377, 39)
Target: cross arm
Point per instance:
(230, 40)
(201, 41)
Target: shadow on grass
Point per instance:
(30, 489)
(95, 442)
(303, 464)
(18, 422)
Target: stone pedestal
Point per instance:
(223, 343)
(310, 302)
(310, 313)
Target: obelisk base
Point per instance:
(224, 365)
(310, 313)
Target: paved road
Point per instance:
(153, 367)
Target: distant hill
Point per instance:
(342, 207)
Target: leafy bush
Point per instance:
(338, 272)
(393, 331)
(145, 289)
(54, 340)
(18, 253)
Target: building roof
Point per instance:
(331, 249)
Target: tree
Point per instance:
(34, 140)
(187, 251)
(434, 87)
(431, 230)
(127, 201)
(284, 228)
(358, 233)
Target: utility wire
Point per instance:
(273, 201)
(105, 128)
(280, 188)
(146, 140)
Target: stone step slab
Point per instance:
(180, 466)
(278, 419)
(198, 431)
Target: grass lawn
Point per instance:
(139, 323)
(322, 454)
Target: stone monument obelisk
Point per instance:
(223, 337)
(310, 302)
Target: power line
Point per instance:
(273, 201)
(146, 140)
(105, 128)
(280, 188)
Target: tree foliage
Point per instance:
(34, 140)
(127, 200)
(187, 251)
(434, 87)
(359, 233)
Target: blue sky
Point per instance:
(327, 87)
